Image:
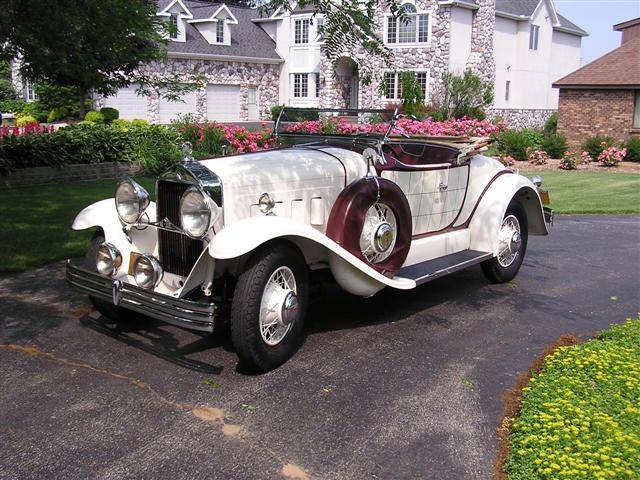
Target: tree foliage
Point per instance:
(463, 95)
(91, 45)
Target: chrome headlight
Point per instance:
(147, 271)
(197, 212)
(131, 201)
(108, 259)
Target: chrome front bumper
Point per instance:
(177, 311)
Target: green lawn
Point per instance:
(37, 222)
(592, 192)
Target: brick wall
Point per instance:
(51, 175)
(585, 113)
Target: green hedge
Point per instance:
(154, 146)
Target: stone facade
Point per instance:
(521, 118)
(584, 113)
(433, 57)
(263, 76)
(16, 78)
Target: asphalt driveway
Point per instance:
(402, 385)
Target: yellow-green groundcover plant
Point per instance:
(580, 416)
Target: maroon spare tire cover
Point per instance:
(348, 215)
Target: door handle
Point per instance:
(442, 187)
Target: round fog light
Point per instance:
(147, 271)
(108, 259)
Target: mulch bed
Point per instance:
(513, 398)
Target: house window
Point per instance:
(300, 85)
(636, 111)
(393, 85)
(414, 30)
(507, 90)
(220, 31)
(317, 85)
(301, 31)
(30, 94)
(173, 21)
(534, 32)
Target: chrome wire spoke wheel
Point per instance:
(379, 233)
(278, 306)
(509, 241)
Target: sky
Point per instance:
(598, 18)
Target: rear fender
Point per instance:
(486, 221)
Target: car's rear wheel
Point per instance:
(269, 306)
(107, 309)
(512, 245)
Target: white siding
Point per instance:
(223, 103)
(128, 103)
(460, 49)
(168, 111)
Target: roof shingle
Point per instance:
(619, 68)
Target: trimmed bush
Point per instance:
(7, 91)
(597, 144)
(555, 144)
(12, 106)
(514, 143)
(35, 110)
(109, 114)
(633, 149)
(551, 125)
(57, 114)
(156, 147)
(24, 120)
(93, 116)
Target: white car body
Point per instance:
(465, 203)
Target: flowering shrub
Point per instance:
(580, 416)
(585, 158)
(30, 129)
(453, 127)
(569, 161)
(537, 157)
(612, 156)
(506, 160)
(243, 140)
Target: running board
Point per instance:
(439, 267)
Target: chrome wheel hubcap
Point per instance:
(379, 233)
(279, 306)
(509, 241)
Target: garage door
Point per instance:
(168, 111)
(223, 103)
(128, 103)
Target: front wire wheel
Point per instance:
(512, 245)
(269, 306)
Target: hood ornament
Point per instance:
(187, 152)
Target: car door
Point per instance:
(434, 185)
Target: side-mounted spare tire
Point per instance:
(372, 220)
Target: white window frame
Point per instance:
(300, 40)
(396, 88)
(219, 24)
(636, 111)
(507, 90)
(397, 44)
(30, 94)
(303, 86)
(534, 37)
(173, 20)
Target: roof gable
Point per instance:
(166, 10)
(619, 68)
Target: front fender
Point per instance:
(486, 221)
(103, 214)
(246, 235)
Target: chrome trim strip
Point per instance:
(176, 311)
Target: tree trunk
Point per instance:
(82, 96)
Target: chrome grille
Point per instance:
(178, 253)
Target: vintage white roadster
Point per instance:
(234, 238)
